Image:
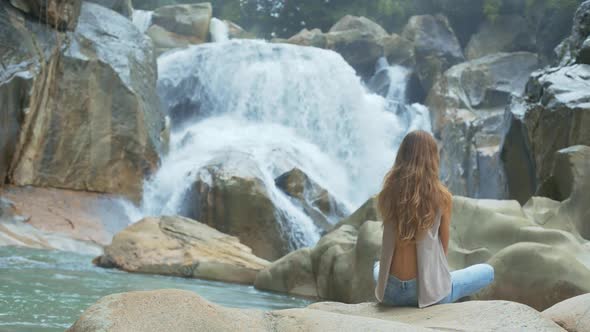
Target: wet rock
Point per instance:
(60, 14)
(571, 314)
(315, 200)
(178, 310)
(509, 33)
(553, 116)
(14, 95)
(104, 75)
(235, 201)
(468, 104)
(177, 26)
(84, 216)
(123, 7)
(435, 46)
(181, 247)
(575, 49)
(17, 230)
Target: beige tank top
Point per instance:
(434, 278)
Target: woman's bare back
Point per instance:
(404, 262)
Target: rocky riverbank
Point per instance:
(184, 311)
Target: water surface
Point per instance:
(48, 290)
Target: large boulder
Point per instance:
(104, 75)
(360, 41)
(177, 26)
(553, 115)
(313, 199)
(60, 14)
(468, 104)
(571, 314)
(181, 247)
(338, 268)
(509, 33)
(176, 310)
(435, 45)
(531, 249)
(576, 48)
(236, 202)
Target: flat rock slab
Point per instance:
(466, 316)
(78, 215)
(177, 310)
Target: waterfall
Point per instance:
(279, 106)
(142, 19)
(218, 30)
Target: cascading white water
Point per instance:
(281, 106)
(218, 30)
(142, 19)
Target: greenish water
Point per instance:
(48, 290)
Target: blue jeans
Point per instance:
(465, 282)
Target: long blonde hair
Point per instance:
(412, 192)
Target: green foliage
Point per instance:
(491, 9)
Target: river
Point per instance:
(44, 290)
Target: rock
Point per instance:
(105, 77)
(467, 316)
(123, 7)
(16, 230)
(510, 33)
(181, 247)
(435, 45)
(575, 48)
(569, 170)
(571, 314)
(180, 25)
(536, 262)
(88, 217)
(14, 96)
(485, 84)
(558, 108)
(552, 116)
(468, 103)
(501, 233)
(360, 41)
(315, 200)
(367, 211)
(292, 274)
(237, 203)
(237, 32)
(350, 22)
(341, 266)
(517, 162)
(60, 14)
(177, 310)
(523, 269)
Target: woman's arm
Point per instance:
(445, 228)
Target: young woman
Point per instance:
(416, 211)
